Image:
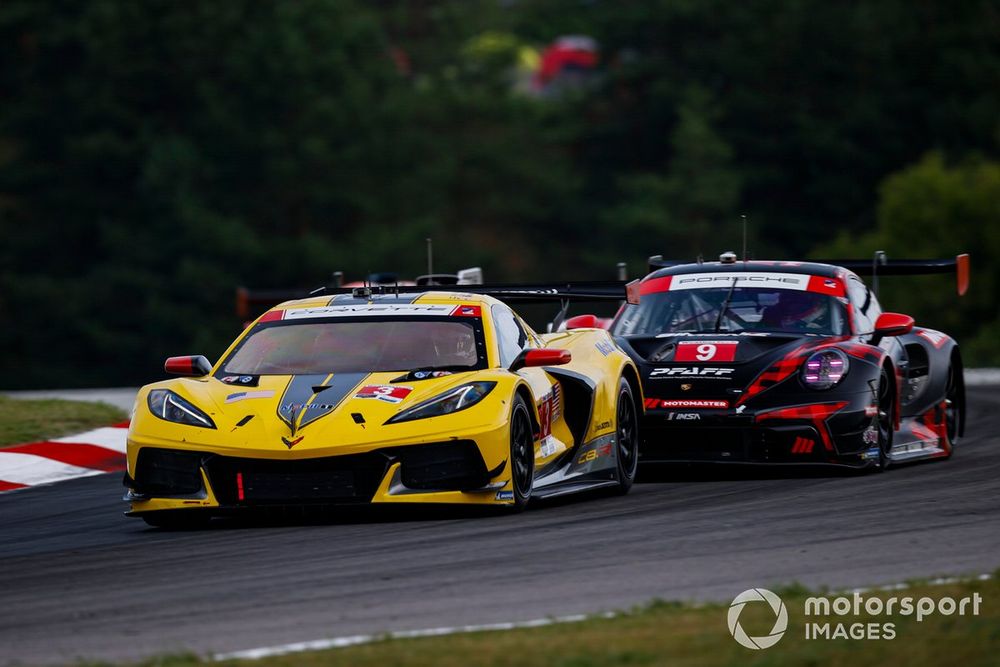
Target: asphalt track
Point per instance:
(79, 580)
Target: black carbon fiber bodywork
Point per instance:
(753, 405)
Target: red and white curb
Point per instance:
(92, 453)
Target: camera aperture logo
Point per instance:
(780, 620)
(830, 618)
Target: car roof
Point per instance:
(424, 298)
(808, 268)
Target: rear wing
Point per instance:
(656, 262)
(250, 303)
(880, 265)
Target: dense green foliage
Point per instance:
(154, 155)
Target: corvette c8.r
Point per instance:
(438, 397)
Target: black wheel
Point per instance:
(627, 437)
(522, 453)
(952, 408)
(177, 519)
(885, 419)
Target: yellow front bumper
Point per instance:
(493, 444)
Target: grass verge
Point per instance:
(681, 634)
(30, 421)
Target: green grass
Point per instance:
(678, 634)
(31, 421)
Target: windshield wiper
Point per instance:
(725, 304)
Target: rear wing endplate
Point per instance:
(880, 265)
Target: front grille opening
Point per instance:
(167, 472)
(786, 444)
(445, 466)
(336, 479)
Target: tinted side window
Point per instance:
(511, 338)
(864, 306)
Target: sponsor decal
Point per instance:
(823, 285)
(244, 395)
(505, 495)
(870, 454)
(709, 350)
(466, 310)
(790, 281)
(372, 310)
(707, 373)
(686, 403)
(604, 347)
(384, 392)
(686, 386)
(423, 375)
(683, 416)
(871, 410)
(307, 406)
(870, 435)
(602, 426)
(595, 453)
(245, 380)
(548, 447)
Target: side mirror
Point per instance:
(892, 324)
(532, 358)
(191, 366)
(582, 322)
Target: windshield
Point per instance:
(748, 309)
(320, 347)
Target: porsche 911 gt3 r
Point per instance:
(789, 362)
(431, 398)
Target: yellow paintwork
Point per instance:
(337, 434)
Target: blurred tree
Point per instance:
(935, 209)
(155, 155)
(689, 209)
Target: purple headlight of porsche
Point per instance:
(824, 369)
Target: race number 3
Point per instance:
(710, 350)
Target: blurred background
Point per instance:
(155, 155)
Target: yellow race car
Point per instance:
(434, 397)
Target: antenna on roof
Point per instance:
(744, 237)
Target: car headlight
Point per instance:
(824, 369)
(170, 407)
(457, 399)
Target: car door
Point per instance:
(866, 310)
(512, 337)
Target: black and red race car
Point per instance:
(789, 362)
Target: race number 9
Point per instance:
(706, 352)
(716, 351)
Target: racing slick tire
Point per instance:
(626, 437)
(522, 454)
(953, 411)
(177, 519)
(885, 419)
